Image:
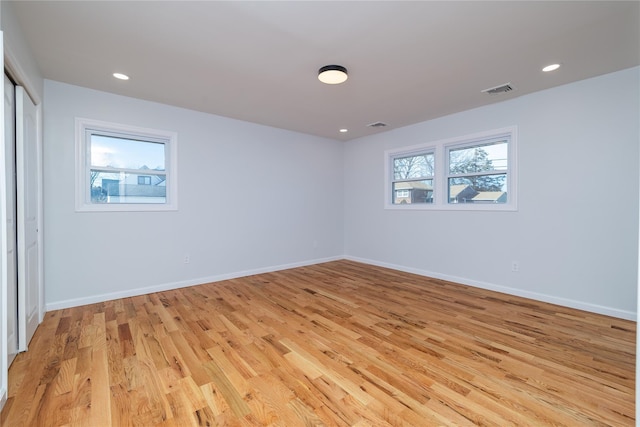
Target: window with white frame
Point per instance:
(474, 172)
(124, 168)
(413, 178)
(477, 171)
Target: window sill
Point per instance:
(454, 207)
(131, 207)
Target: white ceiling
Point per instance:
(257, 61)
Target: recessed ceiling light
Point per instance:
(120, 76)
(332, 74)
(344, 130)
(551, 67)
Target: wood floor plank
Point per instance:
(333, 344)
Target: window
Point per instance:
(122, 168)
(413, 178)
(476, 172)
(144, 180)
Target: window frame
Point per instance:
(441, 175)
(85, 127)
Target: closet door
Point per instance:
(27, 214)
(10, 174)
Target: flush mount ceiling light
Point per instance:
(120, 76)
(551, 67)
(332, 74)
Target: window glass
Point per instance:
(415, 166)
(114, 162)
(123, 187)
(126, 153)
(478, 158)
(413, 191)
(477, 173)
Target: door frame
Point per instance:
(3, 254)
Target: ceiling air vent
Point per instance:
(499, 89)
(377, 125)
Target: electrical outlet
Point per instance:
(515, 266)
(187, 259)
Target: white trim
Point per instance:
(440, 198)
(59, 305)
(81, 185)
(3, 397)
(638, 336)
(565, 302)
(4, 347)
(19, 76)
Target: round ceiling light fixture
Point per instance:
(332, 74)
(120, 76)
(551, 67)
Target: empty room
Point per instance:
(319, 213)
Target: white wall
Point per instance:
(19, 59)
(576, 231)
(251, 198)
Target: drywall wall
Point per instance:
(18, 57)
(250, 198)
(575, 234)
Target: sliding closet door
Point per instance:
(28, 207)
(11, 316)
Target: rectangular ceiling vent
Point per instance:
(499, 89)
(377, 125)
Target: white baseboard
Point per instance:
(580, 305)
(75, 302)
(3, 398)
(565, 302)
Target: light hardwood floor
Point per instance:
(335, 344)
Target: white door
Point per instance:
(27, 214)
(10, 168)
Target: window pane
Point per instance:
(120, 187)
(407, 192)
(478, 189)
(479, 158)
(417, 166)
(123, 153)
